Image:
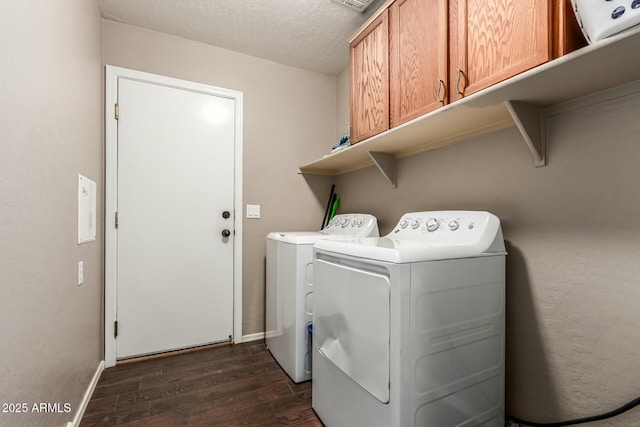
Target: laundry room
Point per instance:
(549, 151)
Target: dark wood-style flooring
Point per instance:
(238, 385)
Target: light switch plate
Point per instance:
(80, 273)
(253, 211)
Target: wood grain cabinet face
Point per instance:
(492, 40)
(370, 80)
(419, 55)
(418, 58)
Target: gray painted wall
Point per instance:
(573, 237)
(50, 130)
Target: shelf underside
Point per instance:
(448, 125)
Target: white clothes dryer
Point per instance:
(409, 329)
(289, 289)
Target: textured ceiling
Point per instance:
(310, 34)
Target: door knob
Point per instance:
(226, 233)
(226, 214)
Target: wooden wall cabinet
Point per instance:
(527, 102)
(492, 40)
(398, 66)
(417, 55)
(418, 58)
(370, 80)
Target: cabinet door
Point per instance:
(492, 40)
(418, 49)
(370, 80)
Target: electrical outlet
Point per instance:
(80, 273)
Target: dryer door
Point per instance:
(351, 323)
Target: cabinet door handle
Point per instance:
(441, 86)
(460, 73)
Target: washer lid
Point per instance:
(429, 236)
(299, 237)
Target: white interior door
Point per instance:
(175, 173)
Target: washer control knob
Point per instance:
(360, 222)
(354, 222)
(415, 224)
(433, 224)
(403, 223)
(344, 222)
(453, 225)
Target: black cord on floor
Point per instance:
(620, 410)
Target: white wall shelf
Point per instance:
(520, 101)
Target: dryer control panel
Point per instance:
(445, 226)
(427, 236)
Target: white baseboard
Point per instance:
(87, 397)
(253, 337)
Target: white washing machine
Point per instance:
(409, 329)
(289, 289)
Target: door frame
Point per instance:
(111, 195)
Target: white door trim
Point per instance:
(111, 196)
